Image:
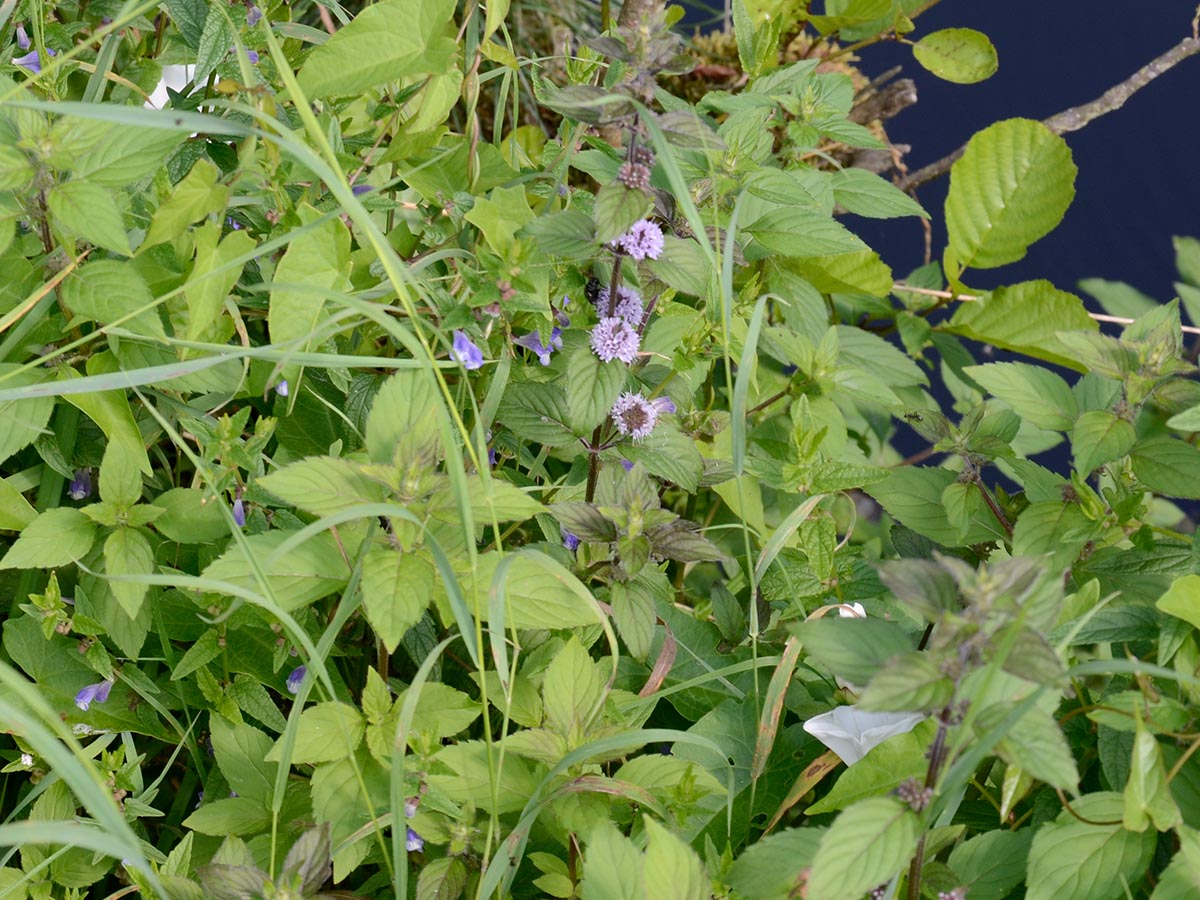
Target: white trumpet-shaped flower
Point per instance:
(852, 733)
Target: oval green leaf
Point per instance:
(961, 55)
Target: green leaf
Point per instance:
(207, 288)
(328, 732)
(1035, 393)
(843, 869)
(1074, 860)
(1026, 317)
(882, 770)
(1182, 599)
(669, 454)
(538, 413)
(397, 588)
(866, 194)
(21, 421)
(1147, 793)
(913, 496)
(230, 815)
(121, 154)
(862, 272)
(120, 478)
(1036, 745)
(15, 169)
(127, 552)
(88, 211)
(633, 612)
(216, 40)
(303, 574)
(799, 233)
(853, 649)
(569, 233)
(108, 291)
(442, 879)
(322, 485)
(500, 215)
(1100, 437)
(190, 517)
(1167, 466)
(592, 388)
(961, 55)
(991, 864)
(385, 42)
(572, 691)
(15, 511)
(316, 263)
(612, 866)
(206, 648)
(672, 870)
(57, 537)
(241, 752)
(774, 865)
(911, 681)
(1011, 187)
(618, 207)
(196, 196)
(503, 500)
(403, 418)
(1118, 298)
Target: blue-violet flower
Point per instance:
(253, 14)
(239, 512)
(81, 485)
(467, 352)
(31, 61)
(413, 842)
(533, 341)
(570, 541)
(296, 678)
(93, 693)
(23, 40)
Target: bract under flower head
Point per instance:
(614, 338)
(634, 415)
(643, 240)
(467, 352)
(852, 733)
(93, 693)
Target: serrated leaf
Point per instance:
(880, 771)
(584, 521)
(669, 454)
(842, 870)
(633, 612)
(960, 55)
(592, 388)
(328, 732)
(57, 537)
(1035, 393)
(672, 869)
(537, 412)
(88, 211)
(197, 195)
(21, 421)
(121, 154)
(385, 42)
(322, 485)
(866, 194)
(1147, 793)
(799, 233)
(1074, 860)
(1167, 466)
(617, 208)
(1100, 437)
(991, 864)
(911, 681)
(572, 690)
(397, 588)
(108, 292)
(301, 575)
(216, 40)
(442, 879)
(913, 496)
(1011, 187)
(612, 866)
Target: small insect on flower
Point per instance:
(93, 693)
(643, 240)
(466, 351)
(296, 678)
(614, 338)
(533, 342)
(81, 485)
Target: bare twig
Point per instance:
(971, 298)
(1077, 117)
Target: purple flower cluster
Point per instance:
(629, 305)
(643, 240)
(614, 338)
(636, 416)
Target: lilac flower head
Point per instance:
(570, 541)
(643, 240)
(81, 485)
(467, 352)
(533, 342)
(614, 338)
(634, 415)
(282, 388)
(629, 305)
(31, 61)
(253, 14)
(93, 693)
(296, 678)
(239, 512)
(23, 38)
(413, 842)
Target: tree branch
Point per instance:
(1076, 117)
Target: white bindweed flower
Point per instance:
(851, 611)
(852, 733)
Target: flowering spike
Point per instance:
(643, 240)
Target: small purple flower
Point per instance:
(81, 485)
(282, 388)
(252, 55)
(614, 338)
(468, 354)
(23, 40)
(359, 189)
(627, 465)
(664, 405)
(233, 223)
(634, 415)
(570, 541)
(31, 61)
(533, 342)
(253, 14)
(93, 693)
(643, 240)
(413, 842)
(296, 678)
(629, 305)
(239, 512)
(410, 806)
